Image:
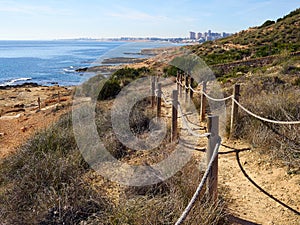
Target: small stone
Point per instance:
(24, 129)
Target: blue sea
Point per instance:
(55, 62)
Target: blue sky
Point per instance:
(50, 19)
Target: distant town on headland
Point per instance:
(208, 36)
(192, 38)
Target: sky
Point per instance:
(60, 19)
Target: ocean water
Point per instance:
(55, 62)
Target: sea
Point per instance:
(55, 62)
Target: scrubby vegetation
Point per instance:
(273, 93)
(102, 88)
(269, 39)
(48, 182)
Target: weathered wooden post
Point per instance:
(203, 102)
(177, 81)
(186, 87)
(234, 111)
(153, 93)
(180, 90)
(159, 93)
(191, 91)
(212, 181)
(58, 97)
(39, 103)
(174, 128)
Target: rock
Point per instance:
(19, 106)
(2, 134)
(84, 69)
(24, 129)
(15, 111)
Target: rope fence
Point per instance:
(201, 185)
(210, 177)
(235, 102)
(187, 126)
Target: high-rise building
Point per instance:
(192, 35)
(199, 35)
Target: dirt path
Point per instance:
(256, 190)
(246, 200)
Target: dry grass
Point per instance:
(281, 104)
(43, 183)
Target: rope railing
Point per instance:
(217, 99)
(164, 97)
(265, 119)
(179, 82)
(193, 90)
(186, 125)
(201, 92)
(201, 185)
(214, 140)
(239, 105)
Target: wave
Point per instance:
(71, 69)
(15, 81)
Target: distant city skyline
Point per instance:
(56, 19)
(208, 36)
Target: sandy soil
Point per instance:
(20, 115)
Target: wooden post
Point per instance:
(212, 181)
(203, 102)
(158, 100)
(174, 115)
(177, 81)
(186, 87)
(191, 92)
(39, 103)
(234, 111)
(180, 90)
(153, 93)
(58, 97)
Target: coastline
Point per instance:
(20, 116)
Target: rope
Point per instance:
(190, 130)
(200, 187)
(264, 119)
(168, 102)
(200, 92)
(217, 100)
(179, 82)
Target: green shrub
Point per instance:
(110, 90)
(170, 71)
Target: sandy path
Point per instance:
(246, 201)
